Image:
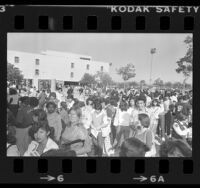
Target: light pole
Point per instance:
(152, 51)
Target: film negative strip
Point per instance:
(99, 94)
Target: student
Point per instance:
(140, 108)
(132, 147)
(23, 123)
(54, 120)
(131, 106)
(34, 103)
(42, 99)
(39, 115)
(166, 103)
(99, 121)
(12, 149)
(86, 113)
(180, 127)
(175, 148)
(70, 101)
(122, 122)
(42, 136)
(144, 134)
(63, 112)
(13, 101)
(53, 98)
(75, 133)
(155, 111)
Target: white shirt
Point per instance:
(185, 132)
(86, 117)
(31, 151)
(174, 98)
(148, 100)
(122, 118)
(136, 112)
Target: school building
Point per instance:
(49, 67)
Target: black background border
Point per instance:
(102, 175)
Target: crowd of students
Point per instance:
(81, 121)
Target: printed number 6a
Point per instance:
(155, 179)
(60, 178)
(2, 8)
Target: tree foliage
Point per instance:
(13, 73)
(104, 78)
(142, 82)
(185, 63)
(158, 82)
(127, 72)
(87, 79)
(168, 84)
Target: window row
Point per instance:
(37, 73)
(37, 62)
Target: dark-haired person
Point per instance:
(54, 120)
(155, 111)
(186, 105)
(122, 122)
(12, 149)
(23, 123)
(175, 148)
(64, 112)
(42, 136)
(86, 113)
(140, 108)
(166, 103)
(180, 128)
(76, 133)
(70, 101)
(34, 103)
(144, 134)
(42, 99)
(39, 115)
(111, 111)
(13, 101)
(133, 147)
(99, 120)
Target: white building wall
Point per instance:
(55, 65)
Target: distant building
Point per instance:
(47, 66)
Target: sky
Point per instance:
(116, 48)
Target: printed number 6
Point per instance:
(60, 178)
(2, 9)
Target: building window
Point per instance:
(16, 59)
(72, 74)
(37, 61)
(102, 68)
(88, 67)
(85, 58)
(72, 65)
(37, 72)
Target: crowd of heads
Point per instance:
(41, 105)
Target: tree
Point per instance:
(158, 82)
(14, 74)
(87, 79)
(104, 78)
(126, 72)
(185, 64)
(177, 85)
(168, 84)
(133, 84)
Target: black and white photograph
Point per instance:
(99, 94)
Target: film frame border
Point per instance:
(120, 173)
